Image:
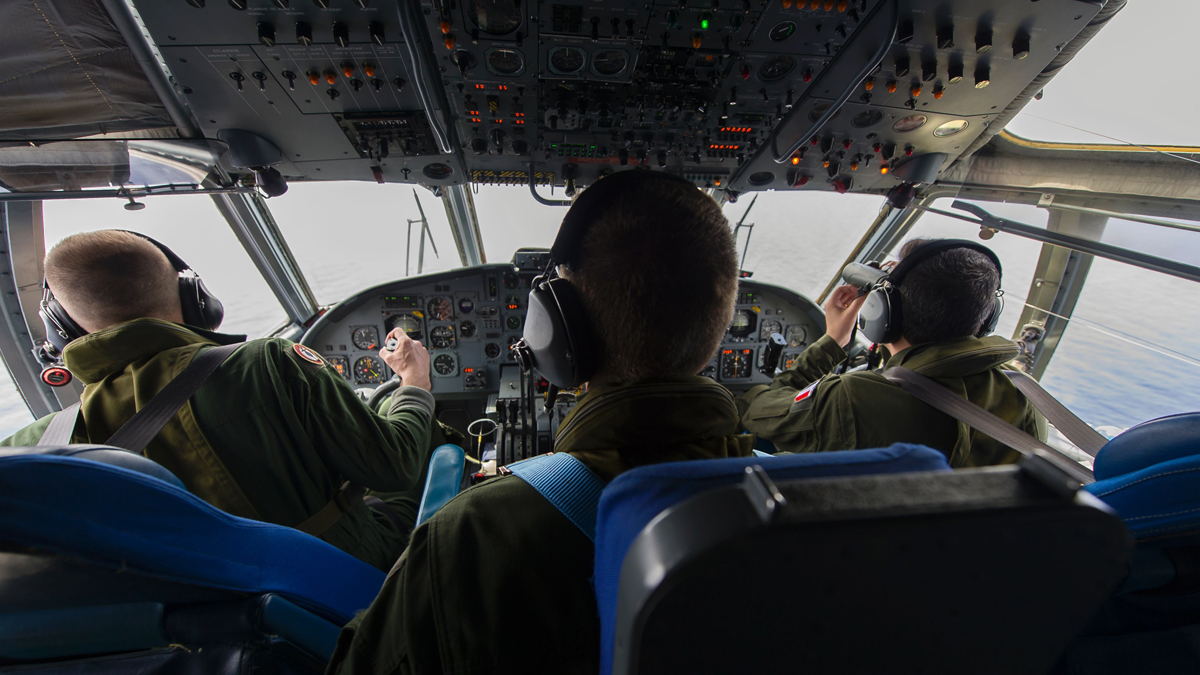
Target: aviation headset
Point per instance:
(200, 307)
(559, 340)
(882, 316)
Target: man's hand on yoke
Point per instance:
(409, 359)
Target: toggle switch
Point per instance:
(902, 65)
(983, 75)
(1021, 45)
(904, 32)
(341, 34)
(479, 146)
(954, 72)
(498, 136)
(399, 82)
(377, 84)
(928, 70)
(983, 40)
(291, 78)
(375, 30)
(945, 36)
(266, 34)
(281, 4)
(356, 84)
(303, 33)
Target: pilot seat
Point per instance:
(107, 564)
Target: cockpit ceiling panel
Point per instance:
(572, 90)
(65, 72)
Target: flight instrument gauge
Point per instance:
(567, 60)
(365, 337)
(776, 68)
(492, 350)
(466, 306)
(341, 364)
(408, 323)
(440, 309)
(467, 329)
(609, 62)
(769, 328)
(736, 363)
(368, 370)
(495, 17)
(505, 62)
(445, 365)
(513, 322)
(796, 336)
(441, 337)
(743, 323)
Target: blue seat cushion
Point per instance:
(1149, 443)
(111, 516)
(1160, 501)
(104, 455)
(636, 497)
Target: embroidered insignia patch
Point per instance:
(807, 391)
(309, 355)
(805, 399)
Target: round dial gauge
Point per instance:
(609, 61)
(467, 329)
(743, 323)
(782, 31)
(466, 306)
(410, 324)
(440, 309)
(495, 17)
(567, 60)
(909, 123)
(505, 62)
(445, 364)
(776, 68)
(735, 363)
(441, 337)
(513, 322)
(365, 337)
(796, 336)
(341, 364)
(492, 350)
(769, 327)
(368, 370)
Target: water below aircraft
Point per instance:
(903, 100)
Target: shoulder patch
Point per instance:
(309, 355)
(804, 399)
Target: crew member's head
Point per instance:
(657, 273)
(109, 277)
(948, 295)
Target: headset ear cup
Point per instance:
(558, 335)
(200, 308)
(880, 316)
(61, 329)
(989, 324)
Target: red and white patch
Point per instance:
(309, 355)
(807, 391)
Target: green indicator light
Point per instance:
(703, 24)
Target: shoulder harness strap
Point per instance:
(567, 484)
(978, 418)
(1088, 439)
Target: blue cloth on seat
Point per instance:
(115, 517)
(636, 497)
(103, 454)
(442, 480)
(1158, 501)
(1149, 443)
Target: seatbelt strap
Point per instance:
(979, 419)
(140, 429)
(61, 426)
(566, 483)
(342, 502)
(1076, 430)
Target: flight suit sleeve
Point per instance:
(30, 435)
(770, 400)
(397, 635)
(818, 418)
(380, 452)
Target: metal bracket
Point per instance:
(766, 499)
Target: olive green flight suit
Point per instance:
(807, 409)
(270, 435)
(498, 581)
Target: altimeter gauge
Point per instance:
(440, 309)
(796, 336)
(445, 365)
(769, 328)
(441, 337)
(365, 337)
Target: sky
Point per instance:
(1121, 86)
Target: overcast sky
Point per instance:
(1133, 83)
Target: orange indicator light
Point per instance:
(696, 40)
(814, 4)
(445, 26)
(787, 4)
(449, 42)
(938, 92)
(330, 76)
(891, 86)
(869, 83)
(883, 169)
(915, 91)
(795, 159)
(348, 70)
(828, 5)
(369, 69)
(314, 77)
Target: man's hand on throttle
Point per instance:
(409, 360)
(841, 312)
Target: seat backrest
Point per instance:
(1149, 443)
(112, 517)
(636, 497)
(103, 454)
(983, 570)
(442, 480)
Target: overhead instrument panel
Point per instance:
(736, 94)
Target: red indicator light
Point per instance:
(468, 370)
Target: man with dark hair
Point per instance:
(946, 299)
(498, 581)
(272, 434)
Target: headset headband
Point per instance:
(932, 248)
(579, 218)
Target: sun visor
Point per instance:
(70, 74)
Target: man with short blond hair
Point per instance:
(272, 434)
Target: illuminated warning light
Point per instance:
(808, 74)
(915, 90)
(938, 92)
(468, 370)
(473, 113)
(717, 182)
(825, 163)
(795, 159)
(445, 26)
(330, 76)
(519, 114)
(348, 70)
(828, 5)
(847, 143)
(519, 123)
(449, 41)
(724, 147)
(815, 140)
(869, 84)
(513, 306)
(787, 4)
(369, 68)
(727, 351)
(697, 40)
(503, 87)
(497, 121)
(908, 151)
(891, 86)
(704, 23)
(877, 147)
(814, 4)
(476, 120)
(314, 77)
(736, 130)
(841, 5)
(854, 166)
(883, 169)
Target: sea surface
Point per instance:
(1131, 352)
